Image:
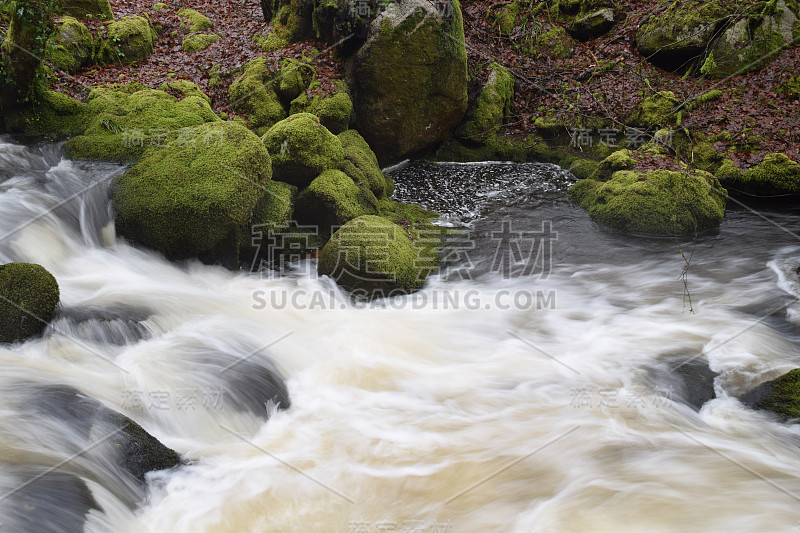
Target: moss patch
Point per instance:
(780, 396)
(361, 165)
(484, 119)
(302, 148)
(124, 121)
(253, 95)
(194, 21)
(775, 175)
(83, 9)
(73, 46)
(656, 110)
(129, 40)
(372, 257)
(185, 199)
(199, 41)
(332, 199)
(29, 295)
(658, 202)
(619, 160)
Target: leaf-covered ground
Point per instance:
(759, 119)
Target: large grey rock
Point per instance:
(409, 79)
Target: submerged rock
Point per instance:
(28, 298)
(780, 396)
(658, 202)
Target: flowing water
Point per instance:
(549, 380)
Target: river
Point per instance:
(556, 377)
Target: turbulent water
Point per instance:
(549, 380)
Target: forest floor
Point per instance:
(759, 118)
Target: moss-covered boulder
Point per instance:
(361, 165)
(194, 21)
(184, 199)
(73, 46)
(556, 43)
(122, 122)
(583, 168)
(658, 202)
(619, 160)
(780, 396)
(751, 42)
(253, 95)
(184, 88)
(484, 119)
(679, 36)
(776, 175)
(656, 110)
(28, 298)
(409, 79)
(53, 113)
(130, 39)
(293, 79)
(198, 42)
(84, 9)
(333, 199)
(592, 25)
(301, 149)
(334, 111)
(373, 258)
(273, 211)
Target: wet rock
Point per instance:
(780, 396)
(593, 25)
(28, 298)
(688, 380)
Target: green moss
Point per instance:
(272, 211)
(194, 21)
(656, 110)
(556, 43)
(332, 199)
(583, 168)
(253, 95)
(484, 119)
(73, 46)
(780, 396)
(409, 81)
(51, 113)
(658, 202)
(705, 157)
(184, 88)
(335, 112)
(83, 9)
(302, 148)
(158, 6)
(293, 79)
(185, 198)
(728, 171)
(121, 124)
(775, 175)
(790, 89)
(199, 41)
(129, 40)
(360, 163)
(29, 295)
(372, 257)
(507, 17)
(619, 160)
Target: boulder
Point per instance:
(678, 37)
(184, 199)
(273, 211)
(130, 39)
(556, 43)
(409, 79)
(744, 48)
(484, 119)
(333, 199)
(253, 94)
(656, 110)
(373, 258)
(84, 9)
(199, 41)
(780, 396)
(658, 202)
(120, 123)
(775, 175)
(301, 149)
(619, 160)
(593, 25)
(335, 111)
(29, 296)
(194, 21)
(73, 46)
(361, 165)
